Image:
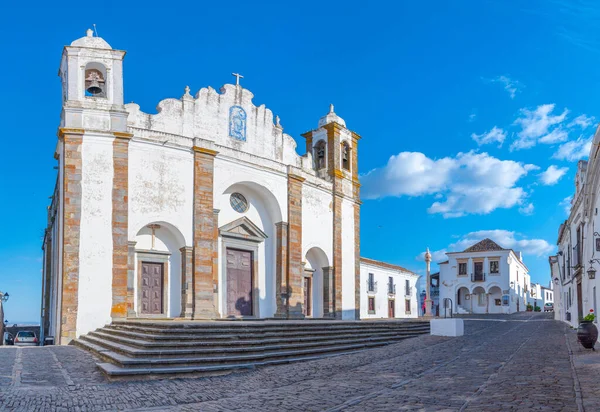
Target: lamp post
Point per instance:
(3, 298)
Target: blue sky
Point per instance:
(463, 108)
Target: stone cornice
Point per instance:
(64, 130)
(123, 135)
(204, 150)
(296, 177)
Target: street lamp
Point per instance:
(591, 273)
(4, 296)
(556, 281)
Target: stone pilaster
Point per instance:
(204, 234)
(187, 282)
(215, 261)
(131, 312)
(357, 203)
(295, 267)
(328, 292)
(120, 305)
(281, 254)
(72, 168)
(337, 255)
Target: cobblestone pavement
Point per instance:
(518, 362)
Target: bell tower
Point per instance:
(91, 73)
(335, 154)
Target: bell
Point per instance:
(94, 88)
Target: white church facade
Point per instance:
(201, 211)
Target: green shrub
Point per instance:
(537, 309)
(529, 307)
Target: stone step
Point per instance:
(254, 338)
(235, 333)
(117, 372)
(132, 348)
(159, 365)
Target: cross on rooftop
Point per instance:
(237, 78)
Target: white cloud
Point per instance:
(566, 204)
(582, 121)
(470, 183)
(504, 238)
(494, 135)
(574, 149)
(552, 175)
(511, 86)
(555, 136)
(527, 209)
(536, 124)
(472, 117)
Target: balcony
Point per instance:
(391, 289)
(477, 277)
(371, 286)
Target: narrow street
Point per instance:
(518, 362)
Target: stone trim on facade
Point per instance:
(187, 282)
(131, 313)
(205, 235)
(281, 255)
(295, 268)
(120, 259)
(72, 168)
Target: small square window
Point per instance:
(371, 305)
(462, 268)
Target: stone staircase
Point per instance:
(169, 348)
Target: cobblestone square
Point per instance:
(519, 362)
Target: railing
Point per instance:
(477, 277)
(408, 291)
(372, 287)
(391, 289)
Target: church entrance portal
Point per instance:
(152, 288)
(239, 282)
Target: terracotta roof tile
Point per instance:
(385, 265)
(484, 246)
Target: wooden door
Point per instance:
(478, 270)
(307, 307)
(239, 282)
(391, 308)
(152, 288)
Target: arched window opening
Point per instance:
(319, 155)
(345, 156)
(95, 80)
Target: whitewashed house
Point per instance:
(484, 278)
(576, 247)
(389, 291)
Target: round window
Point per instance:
(238, 202)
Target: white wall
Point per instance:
(348, 262)
(381, 296)
(95, 244)
(161, 186)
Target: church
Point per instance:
(204, 210)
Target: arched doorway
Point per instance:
(463, 299)
(479, 300)
(495, 299)
(248, 241)
(158, 263)
(315, 288)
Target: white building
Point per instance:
(540, 295)
(574, 266)
(484, 278)
(389, 291)
(203, 210)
